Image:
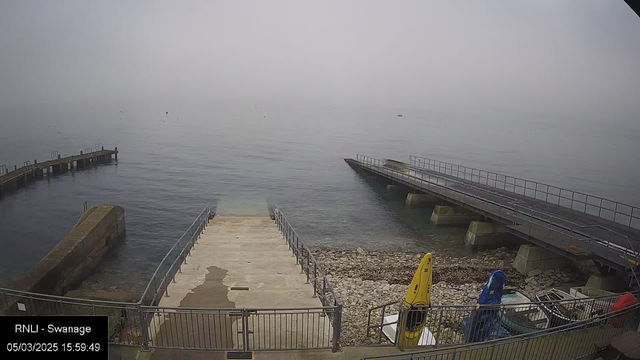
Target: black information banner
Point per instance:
(46, 337)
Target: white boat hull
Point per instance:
(389, 330)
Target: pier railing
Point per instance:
(590, 204)
(173, 260)
(445, 322)
(560, 232)
(322, 287)
(571, 341)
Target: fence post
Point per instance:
(245, 330)
(143, 329)
(324, 291)
(337, 328)
(308, 265)
(315, 279)
(402, 320)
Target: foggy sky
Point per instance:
(551, 54)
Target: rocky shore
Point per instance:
(365, 279)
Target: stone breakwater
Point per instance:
(364, 279)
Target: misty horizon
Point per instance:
(557, 58)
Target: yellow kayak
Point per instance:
(418, 296)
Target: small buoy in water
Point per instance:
(167, 113)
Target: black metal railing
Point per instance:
(445, 323)
(241, 329)
(570, 341)
(190, 328)
(322, 287)
(173, 260)
(590, 204)
(124, 318)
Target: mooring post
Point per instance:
(116, 153)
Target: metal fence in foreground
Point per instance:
(190, 328)
(568, 342)
(241, 329)
(125, 325)
(446, 323)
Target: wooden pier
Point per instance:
(18, 178)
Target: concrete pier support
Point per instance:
(452, 215)
(531, 257)
(608, 283)
(415, 199)
(485, 233)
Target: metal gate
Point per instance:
(240, 329)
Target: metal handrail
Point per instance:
(299, 249)
(546, 223)
(196, 228)
(567, 303)
(309, 266)
(64, 299)
(578, 325)
(569, 195)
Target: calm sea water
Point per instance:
(245, 156)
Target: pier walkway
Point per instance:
(575, 225)
(19, 177)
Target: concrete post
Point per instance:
(485, 233)
(531, 257)
(452, 215)
(415, 199)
